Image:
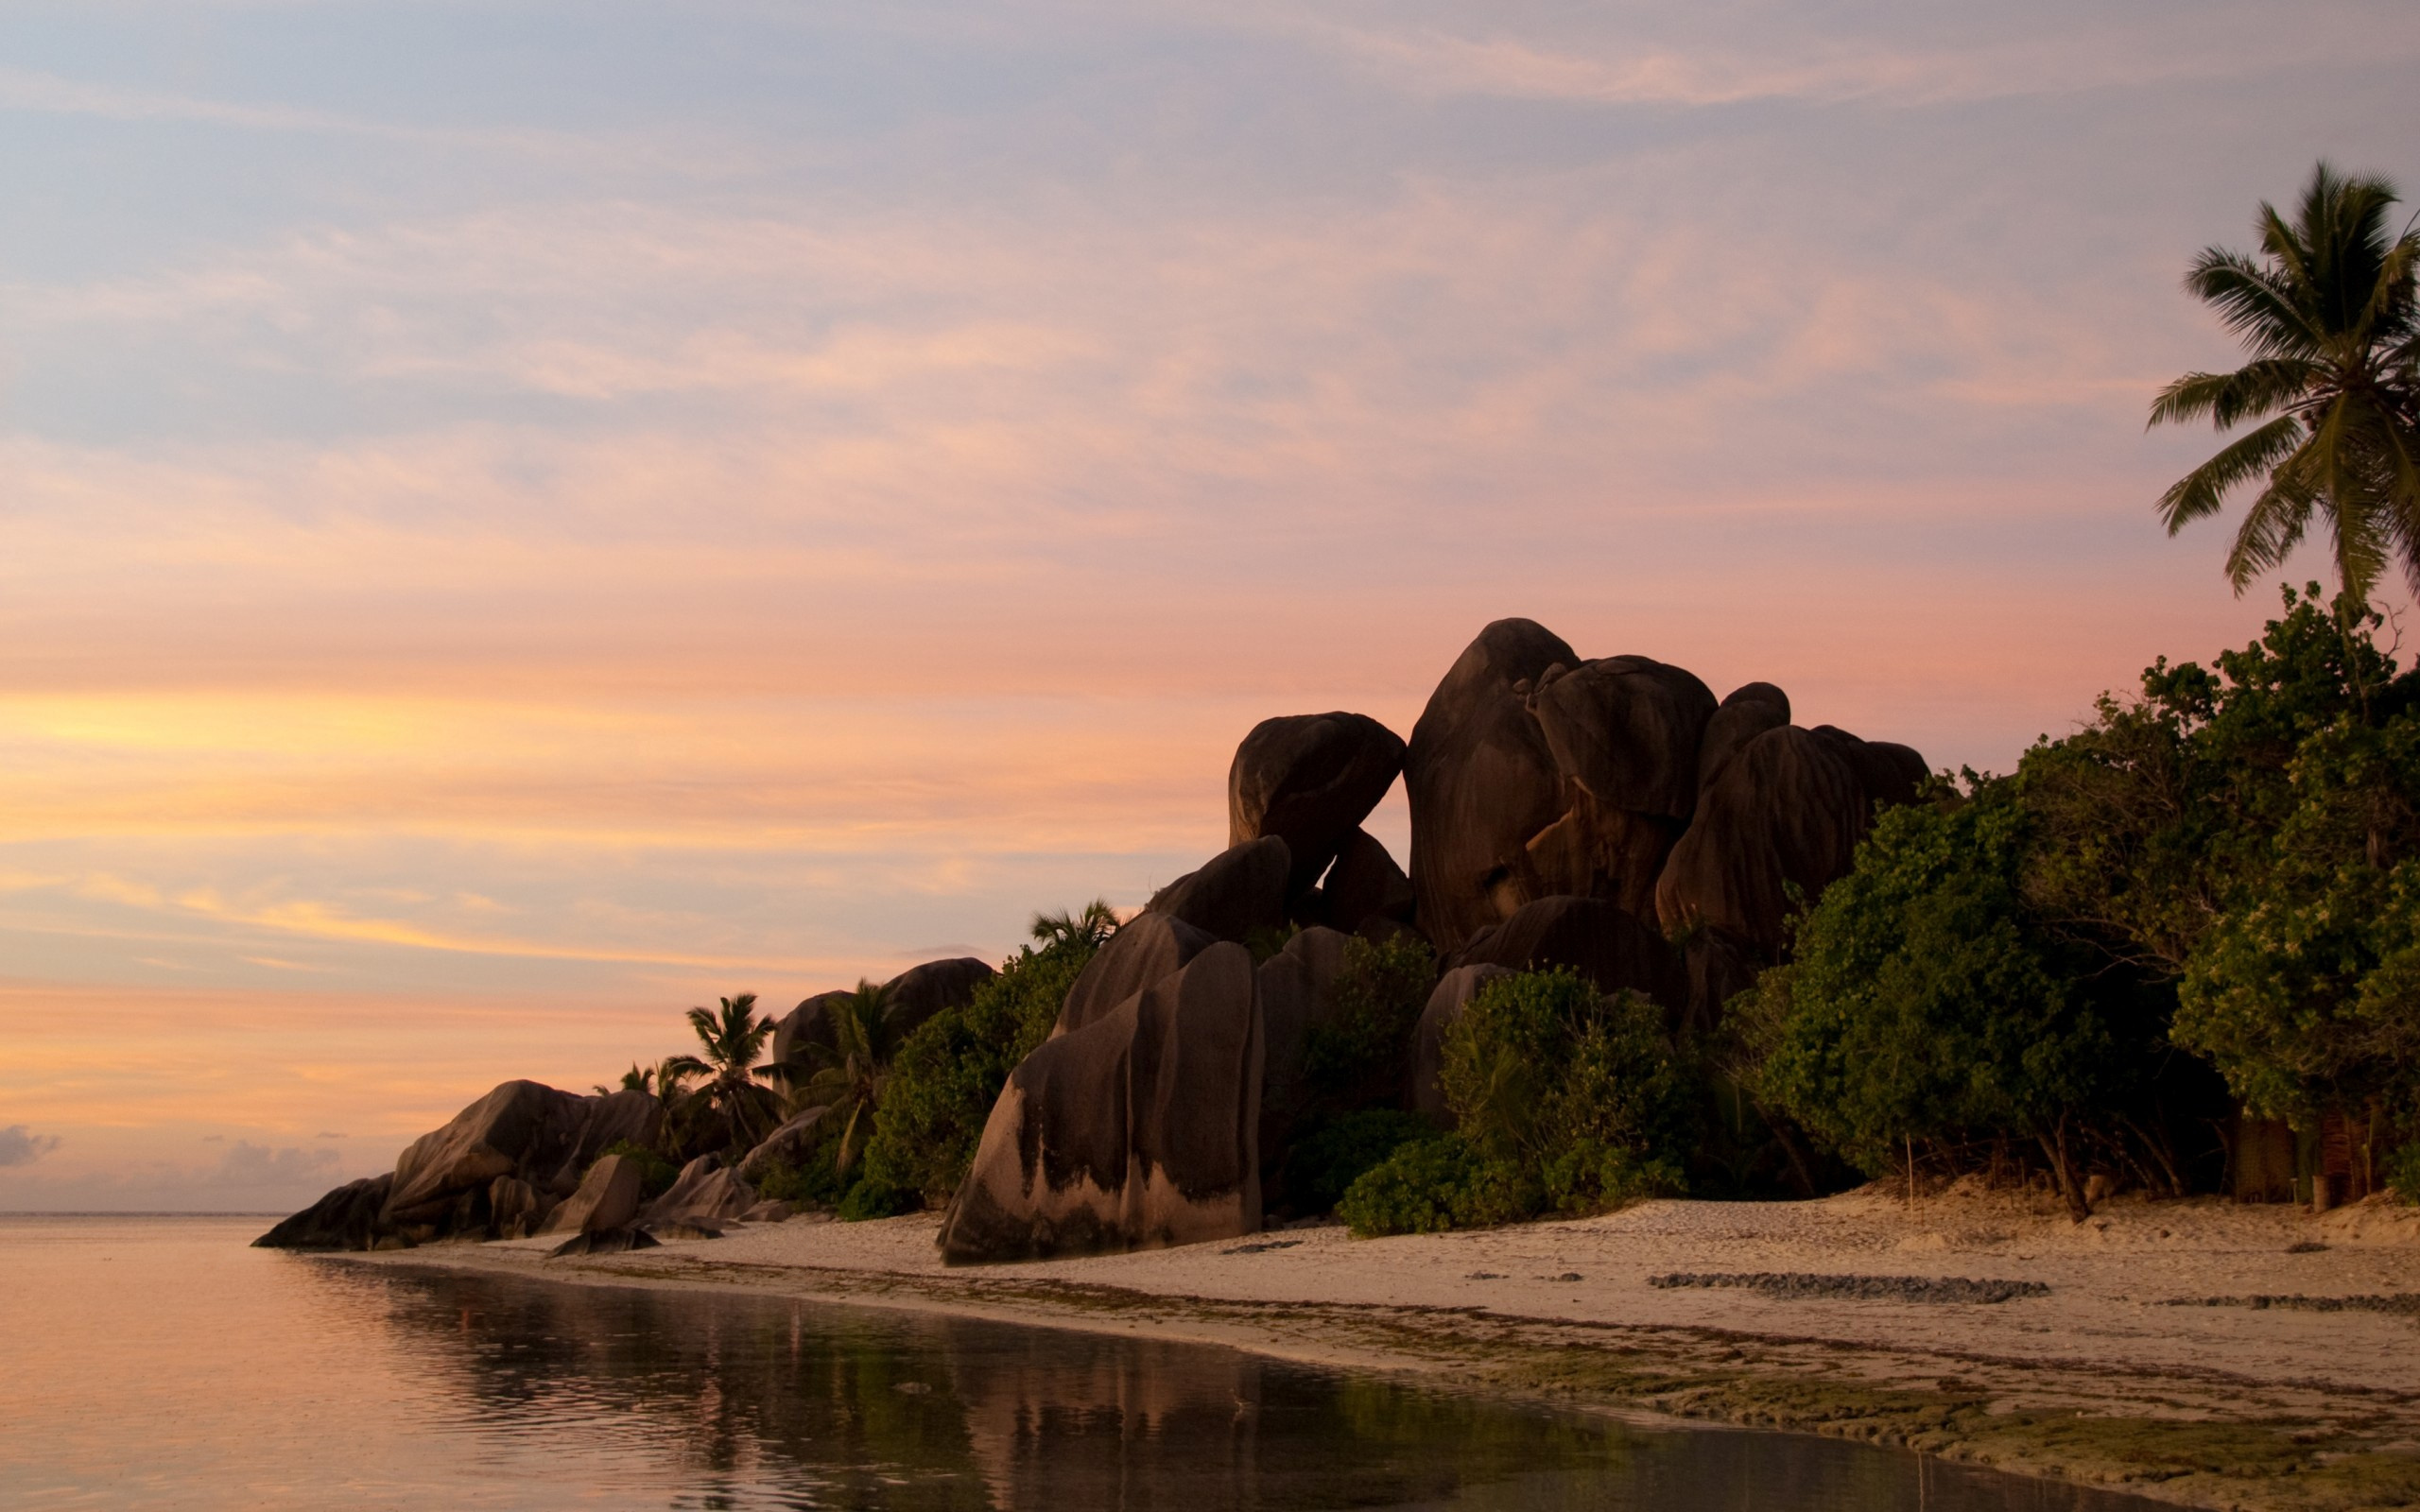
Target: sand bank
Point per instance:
(2201, 1352)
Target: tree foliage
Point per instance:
(949, 1072)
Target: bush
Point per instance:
(2403, 1175)
(1433, 1184)
(1357, 1055)
(949, 1072)
(656, 1173)
(815, 1183)
(1579, 1092)
(870, 1198)
(1320, 1168)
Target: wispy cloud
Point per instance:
(20, 1145)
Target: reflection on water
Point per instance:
(277, 1379)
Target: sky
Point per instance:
(520, 518)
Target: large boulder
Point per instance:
(1482, 781)
(919, 992)
(626, 1117)
(1365, 885)
(516, 1209)
(520, 1128)
(1310, 779)
(1242, 889)
(1446, 1001)
(1747, 712)
(707, 1195)
(1781, 816)
(1604, 943)
(1146, 948)
(809, 1023)
(346, 1218)
(1624, 733)
(793, 1141)
(608, 1197)
(1294, 1000)
(1137, 1130)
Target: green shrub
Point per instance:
(1357, 1055)
(870, 1198)
(2403, 1175)
(1579, 1092)
(949, 1072)
(656, 1173)
(1433, 1184)
(816, 1182)
(1321, 1167)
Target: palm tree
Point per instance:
(850, 1071)
(734, 1041)
(2330, 317)
(1092, 926)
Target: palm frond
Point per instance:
(2255, 305)
(2251, 390)
(2201, 492)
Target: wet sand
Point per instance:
(2197, 1351)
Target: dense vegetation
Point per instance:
(1564, 1099)
(2217, 882)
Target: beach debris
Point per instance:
(1795, 1285)
(1260, 1247)
(2406, 1304)
(1484, 1276)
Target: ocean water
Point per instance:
(160, 1363)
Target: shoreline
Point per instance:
(2193, 1351)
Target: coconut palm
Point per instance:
(2328, 314)
(1091, 925)
(850, 1070)
(733, 1042)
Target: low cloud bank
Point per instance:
(20, 1145)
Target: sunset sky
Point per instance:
(524, 517)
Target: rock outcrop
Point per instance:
(909, 998)
(1782, 815)
(1482, 781)
(608, 1197)
(1601, 941)
(1137, 1130)
(1294, 1000)
(1310, 779)
(1149, 947)
(1366, 887)
(1535, 775)
(793, 1140)
(707, 1194)
(346, 1218)
(1242, 889)
(499, 1165)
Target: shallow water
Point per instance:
(159, 1363)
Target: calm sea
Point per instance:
(160, 1363)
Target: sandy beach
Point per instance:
(2202, 1352)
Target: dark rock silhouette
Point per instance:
(1624, 734)
(1446, 1001)
(1482, 781)
(793, 1140)
(1295, 999)
(1365, 885)
(346, 1218)
(909, 998)
(707, 1194)
(1139, 1129)
(1242, 888)
(1603, 942)
(1149, 948)
(1747, 712)
(608, 1197)
(1310, 779)
(1785, 814)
